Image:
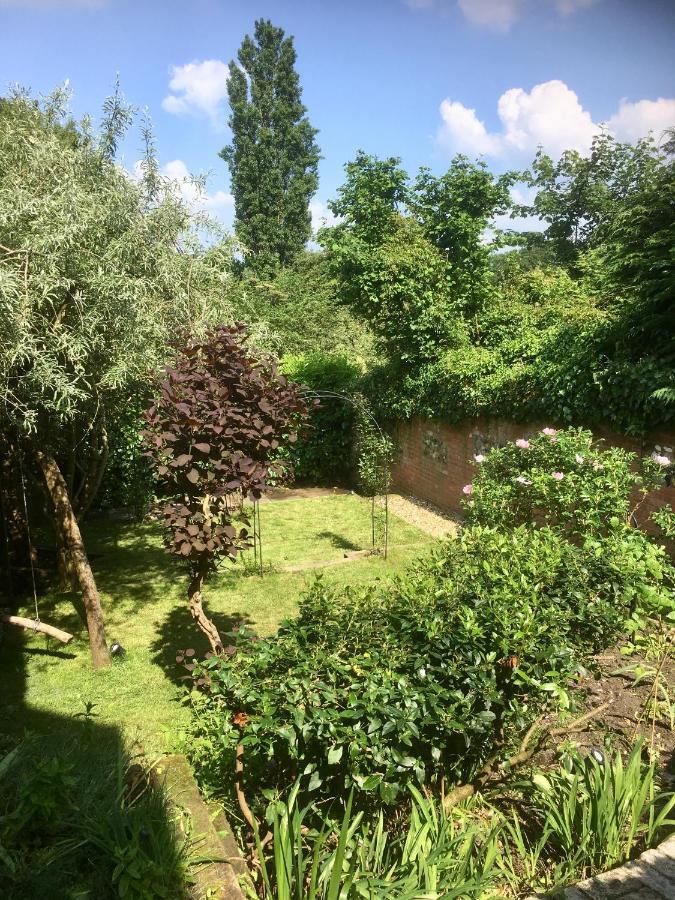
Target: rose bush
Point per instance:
(561, 479)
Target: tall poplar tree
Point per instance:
(273, 157)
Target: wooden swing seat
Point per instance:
(36, 625)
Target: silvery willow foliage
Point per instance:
(96, 269)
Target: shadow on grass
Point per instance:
(48, 652)
(129, 561)
(338, 540)
(84, 749)
(178, 632)
(67, 818)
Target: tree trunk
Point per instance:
(92, 480)
(64, 566)
(66, 523)
(198, 614)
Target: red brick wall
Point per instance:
(435, 460)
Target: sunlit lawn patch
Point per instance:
(143, 591)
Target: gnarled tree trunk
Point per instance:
(198, 614)
(71, 538)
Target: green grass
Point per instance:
(143, 593)
(46, 685)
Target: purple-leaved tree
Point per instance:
(219, 419)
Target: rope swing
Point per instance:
(35, 624)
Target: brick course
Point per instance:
(435, 460)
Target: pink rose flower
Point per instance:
(523, 444)
(479, 458)
(549, 432)
(557, 475)
(660, 459)
(467, 489)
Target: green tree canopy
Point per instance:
(410, 259)
(273, 157)
(98, 272)
(577, 196)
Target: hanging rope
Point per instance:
(30, 542)
(35, 625)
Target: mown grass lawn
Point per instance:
(144, 598)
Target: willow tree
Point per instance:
(97, 270)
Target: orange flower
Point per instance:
(240, 718)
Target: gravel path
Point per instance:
(424, 515)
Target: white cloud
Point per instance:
(635, 120)
(550, 115)
(321, 216)
(500, 15)
(198, 87)
(463, 132)
(195, 195)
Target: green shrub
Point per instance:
(128, 480)
(324, 455)
(70, 826)
(378, 688)
(577, 818)
(585, 817)
(439, 854)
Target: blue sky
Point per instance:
(420, 79)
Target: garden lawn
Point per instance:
(143, 592)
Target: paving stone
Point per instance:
(667, 848)
(603, 889)
(644, 893)
(651, 877)
(623, 883)
(664, 863)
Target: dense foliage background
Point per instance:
(573, 323)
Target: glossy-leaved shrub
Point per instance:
(423, 677)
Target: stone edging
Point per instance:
(651, 877)
(220, 879)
